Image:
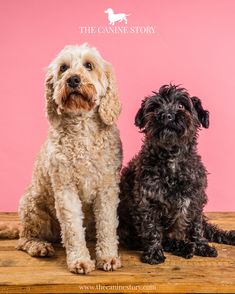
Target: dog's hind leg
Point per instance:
(35, 247)
(39, 227)
(205, 250)
(202, 246)
(182, 248)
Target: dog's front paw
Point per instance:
(82, 266)
(153, 256)
(108, 263)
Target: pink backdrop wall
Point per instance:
(194, 45)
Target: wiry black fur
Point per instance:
(163, 187)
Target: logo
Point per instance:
(113, 17)
(117, 25)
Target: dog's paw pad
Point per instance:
(108, 263)
(41, 249)
(153, 256)
(82, 266)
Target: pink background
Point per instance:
(194, 45)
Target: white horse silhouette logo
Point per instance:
(113, 17)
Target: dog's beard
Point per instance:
(73, 100)
(171, 136)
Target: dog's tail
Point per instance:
(10, 230)
(214, 234)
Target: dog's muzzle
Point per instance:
(77, 95)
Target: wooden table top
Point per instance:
(20, 273)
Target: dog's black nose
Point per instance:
(166, 116)
(73, 81)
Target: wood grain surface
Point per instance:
(20, 273)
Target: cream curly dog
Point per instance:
(76, 175)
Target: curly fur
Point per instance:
(75, 182)
(163, 187)
(9, 230)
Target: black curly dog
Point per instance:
(163, 187)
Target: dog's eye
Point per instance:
(88, 66)
(181, 106)
(63, 67)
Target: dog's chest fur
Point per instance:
(170, 186)
(91, 154)
(172, 179)
(173, 199)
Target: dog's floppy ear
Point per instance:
(51, 107)
(139, 118)
(110, 106)
(203, 115)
